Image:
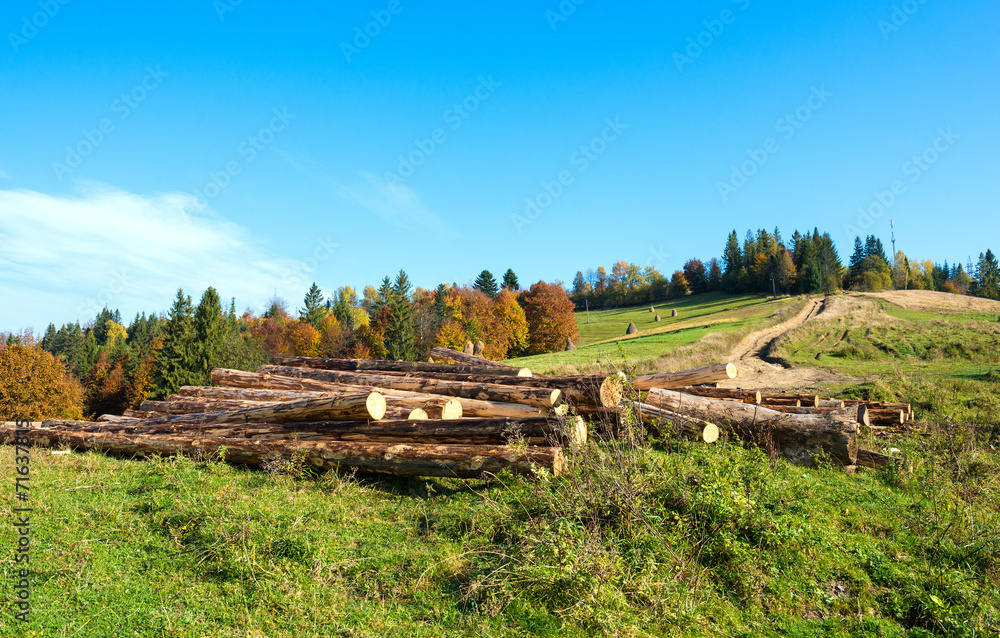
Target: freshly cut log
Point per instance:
(443, 408)
(546, 397)
(378, 365)
(653, 416)
(788, 403)
(805, 400)
(362, 405)
(454, 356)
(589, 390)
(746, 396)
(246, 394)
(397, 407)
(875, 461)
(830, 403)
(710, 374)
(862, 417)
(462, 461)
(887, 417)
(796, 437)
(239, 380)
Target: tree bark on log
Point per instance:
(747, 396)
(830, 403)
(461, 461)
(887, 417)
(862, 417)
(545, 397)
(710, 374)
(362, 405)
(396, 406)
(143, 414)
(875, 461)
(454, 356)
(805, 400)
(587, 390)
(378, 365)
(651, 416)
(787, 403)
(238, 380)
(796, 437)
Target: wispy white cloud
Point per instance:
(3, 174)
(62, 258)
(396, 204)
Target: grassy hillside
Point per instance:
(603, 339)
(641, 539)
(945, 361)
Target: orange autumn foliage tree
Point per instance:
(550, 318)
(34, 385)
(473, 316)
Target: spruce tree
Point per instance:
(48, 340)
(510, 281)
(315, 309)
(209, 332)
(486, 283)
(176, 361)
(399, 338)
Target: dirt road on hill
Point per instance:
(750, 356)
(757, 373)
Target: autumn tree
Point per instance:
(678, 285)
(34, 385)
(694, 273)
(549, 314)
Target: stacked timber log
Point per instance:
(462, 415)
(462, 419)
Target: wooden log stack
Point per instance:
(461, 415)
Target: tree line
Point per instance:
(107, 366)
(764, 262)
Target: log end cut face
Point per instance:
(376, 405)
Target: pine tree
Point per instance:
(714, 275)
(315, 310)
(510, 281)
(399, 336)
(732, 260)
(487, 283)
(175, 362)
(384, 297)
(578, 283)
(988, 276)
(209, 332)
(49, 339)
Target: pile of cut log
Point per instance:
(798, 427)
(463, 419)
(458, 415)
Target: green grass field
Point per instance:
(639, 539)
(603, 343)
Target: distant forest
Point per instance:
(763, 263)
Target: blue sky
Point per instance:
(257, 147)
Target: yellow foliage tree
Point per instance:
(34, 385)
